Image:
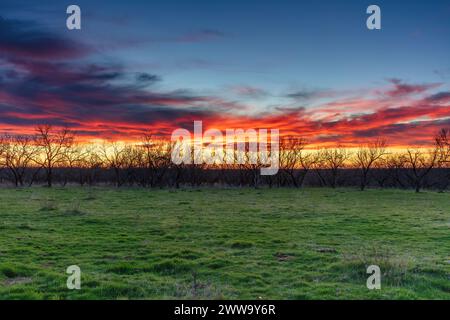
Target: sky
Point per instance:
(309, 68)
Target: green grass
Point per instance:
(223, 243)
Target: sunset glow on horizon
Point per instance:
(153, 68)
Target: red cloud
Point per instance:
(34, 89)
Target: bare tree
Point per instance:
(3, 148)
(381, 168)
(253, 169)
(74, 160)
(148, 161)
(112, 156)
(195, 172)
(176, 168)
(442, 142)
(250, 163)
(3, 144)
(396, 166)
(53, 147)
(92, 164)
(162, 151)
(2, 151)
(366, 157)
(18, 153)
(131, 159)
(333, 160)
(419, 163)
(294, 160)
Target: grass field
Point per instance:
(223, 244)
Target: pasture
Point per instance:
(212, 243)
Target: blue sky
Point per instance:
(273, 44)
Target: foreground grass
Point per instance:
(223, 244)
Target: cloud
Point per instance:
(27, 39)
(39, 84)
(200, 36)
(440, 97)
(401, 89)
(249, 92)
(147, 78)
(309, 94)
(91, 97)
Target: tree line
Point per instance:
(53, 156)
